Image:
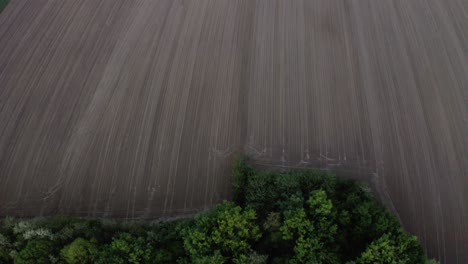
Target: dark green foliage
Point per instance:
(298, 216)
(126, 248)
(227, 231)
(36, 251)
(321, 218)
(270, 191)
(392, 248)
(79, 251)
(166, 237)
(360, 218)
(240, 173)
(5, 249)
(312, 230)
(3, 4)
(91, 241)
(93, 229)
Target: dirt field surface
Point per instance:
(136, 109)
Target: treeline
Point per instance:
(299, 216)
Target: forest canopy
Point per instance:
(295, 216)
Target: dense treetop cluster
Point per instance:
(298, 216)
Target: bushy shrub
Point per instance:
(36, 251)
(166, 237)
(240, 173)
(312, 230)
(227, 229)
(79, 251)
(5, 248)
(126, 248)
(390, 248)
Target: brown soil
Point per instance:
(136, 109)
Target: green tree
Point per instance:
(240, 173)
(36, 251)
(215, 258)
(297, 228)
(360, 219)
(79, 251)
(312, 230)
(228, 230)
(126, 248)
(166, 239)
(3, 4)
(322, 215)
(5, 248)
(402, 249)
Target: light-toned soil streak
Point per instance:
(116, 108)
